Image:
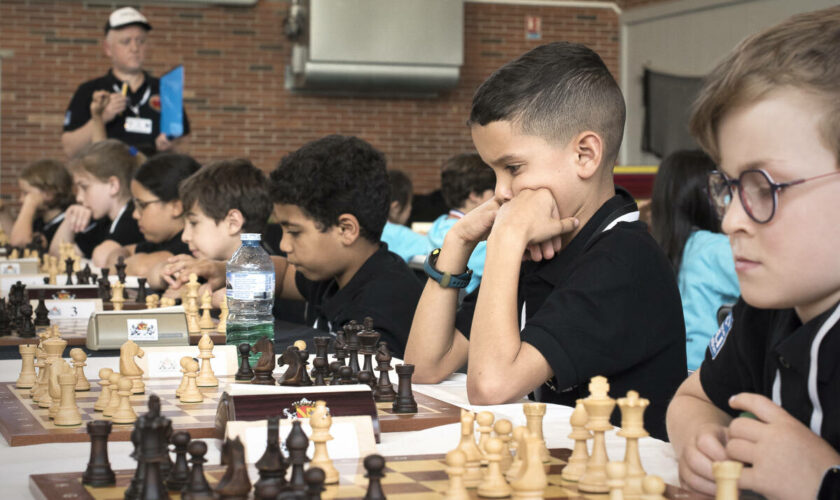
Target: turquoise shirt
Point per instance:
(405, 242)
(707, 280)
(440, 227)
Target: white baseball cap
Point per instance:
(126, 16)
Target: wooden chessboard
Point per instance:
(23, 423)
(419, 477)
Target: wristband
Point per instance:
(445, 279)
(830, 485)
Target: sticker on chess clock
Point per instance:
(142, 330)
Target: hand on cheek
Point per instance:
(534, 217)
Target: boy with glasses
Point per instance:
(768, 391)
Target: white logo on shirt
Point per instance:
(67, 118)
(717, 341)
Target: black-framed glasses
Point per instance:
(758, 193)
(141, 205)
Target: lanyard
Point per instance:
(136, 108)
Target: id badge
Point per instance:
(137, 125)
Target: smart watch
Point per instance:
(444, 279)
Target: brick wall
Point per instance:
(234, 60)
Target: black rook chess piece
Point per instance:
(141, 291)
(245, 372)
(98, 472)
(120, 267)
(404, 403)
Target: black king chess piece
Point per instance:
(68, 268)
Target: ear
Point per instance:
(106, 47)
(348, 229)
(394, 211)
(588, 151)
(114, 186)
(234, 220)
(177, 208)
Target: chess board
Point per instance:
(420, 477)
(23, 423)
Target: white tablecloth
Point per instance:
(16, 464)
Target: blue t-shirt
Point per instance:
(707, 280)
(405, 242)
(440, 227)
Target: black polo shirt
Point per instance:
(756, 349)
(47, 228)
(173, 245)
(124, 231)
(607, 304)
(143, 103)
(384, 288)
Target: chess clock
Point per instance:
(110, 329)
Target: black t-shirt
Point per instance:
(384, 288)
(607, 304)
(144, 104)
(124, 231)
(173, 245)
(757, 349)
(47, 228)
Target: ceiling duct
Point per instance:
(379, 47)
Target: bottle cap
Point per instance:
(250, 237)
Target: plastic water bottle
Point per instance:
(250, 293)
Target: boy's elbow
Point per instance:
(485, 392)
(425, 373)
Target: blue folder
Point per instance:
(172, 103)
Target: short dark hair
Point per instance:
(462, 175)
(555, 91)
(226, 185)
(680, 203)
(335, 175)
(164, 172)
(401, 188)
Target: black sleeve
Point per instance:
(617, 309)
(305, 286)
(725, 370)
(96, 233)
(186, 123)
(78, 111)
(464, 316)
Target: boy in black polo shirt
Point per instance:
(768, 114)
(599, 297)
(331, 198)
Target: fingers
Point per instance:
(694, 481)
(741, 450)
(760, 406)
(746, 428)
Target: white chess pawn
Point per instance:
(516, 465)
(484, 419)
(504, 429)
(653, 488)
(455, 462)
(105, 395)
(79, 357)
(191, 394)
(494, 484)
(114, 400)
(616, 472)
(183, 384)
(124, 414)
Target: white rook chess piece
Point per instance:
(726, 474)
(598, 406)
(26, 379)
(67, 413)
(534, 413)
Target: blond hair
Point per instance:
(802, 52)
(51, 177)
(106, 159)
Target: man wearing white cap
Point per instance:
(124, 103)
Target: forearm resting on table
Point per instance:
(690, 410)
(435, 347)
(149, 266)
(21, 233)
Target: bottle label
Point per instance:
(250, 286)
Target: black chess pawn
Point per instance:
(80, 278)
(104, 290)
(314, 477)
(245, 372)
(197, 488)
(319, 370)
(304, 360)
(68, 268)
(366, 378)
(345, 376)
(98, 472)
(272, 465)
(179, 475)
(404, 402)
(120, 267)
(375, 467)
(26, 329)
(384, 390)
(141, 291)
(42, 314)
(296, 444)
